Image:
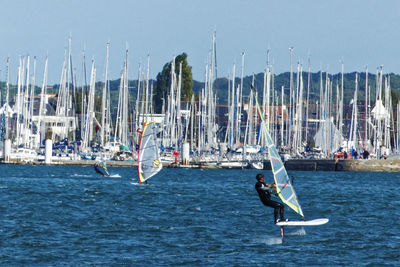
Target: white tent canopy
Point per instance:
(328, 137)
(379, 112)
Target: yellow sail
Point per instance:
(284, 187)
(148, 156)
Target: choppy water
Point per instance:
(70, 216)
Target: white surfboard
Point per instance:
(304, 223)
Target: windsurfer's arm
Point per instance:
(272, 189)
(271, 186)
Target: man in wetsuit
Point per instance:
(264, 192)
(97, 169)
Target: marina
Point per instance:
(309, 116)
(37, 126)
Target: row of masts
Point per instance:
(293, 120)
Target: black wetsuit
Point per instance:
(96, 168)
(265, 197)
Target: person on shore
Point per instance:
(365, 154)
(264, 192)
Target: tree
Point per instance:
(163, 82)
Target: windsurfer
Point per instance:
(264, 192)
(97, 169)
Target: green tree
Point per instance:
(163, 82)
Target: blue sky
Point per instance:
(359, 32)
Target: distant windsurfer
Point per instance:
(98, 170)
(264, 192)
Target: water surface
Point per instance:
(57, 215)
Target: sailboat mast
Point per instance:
(83, 94)
(32, 103)
(147, 86)
(40, 128)
(308, 96)
(240, 102)
(7, 133)
(341, 102)
(104, 98)
(289, 126)
(234, 106)
(18, 103)
(366, 118)
(282, 116)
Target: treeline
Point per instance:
(283, 79)
(221, 86)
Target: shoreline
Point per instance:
(359, 165)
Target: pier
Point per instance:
(359, 165)
(368, 165)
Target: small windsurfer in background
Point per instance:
(264, 192)
(97, 167)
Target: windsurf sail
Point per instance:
(149, 157)
(104, 166)
(284, 187)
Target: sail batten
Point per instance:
(284, 187)
(148, 152)
(279, 170)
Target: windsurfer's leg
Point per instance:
(276, 206)
(281, 211)
(275, 214)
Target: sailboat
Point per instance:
(284, 187)
(148, 155)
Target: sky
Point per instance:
(359, 32)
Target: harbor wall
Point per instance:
(369, 165)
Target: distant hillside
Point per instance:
(283, 79)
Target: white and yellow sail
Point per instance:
(148, 155)
(284, 187)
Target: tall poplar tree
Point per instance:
(163, 82)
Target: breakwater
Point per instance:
(370, 165)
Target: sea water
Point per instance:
(59, 215)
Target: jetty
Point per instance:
(357, 165)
